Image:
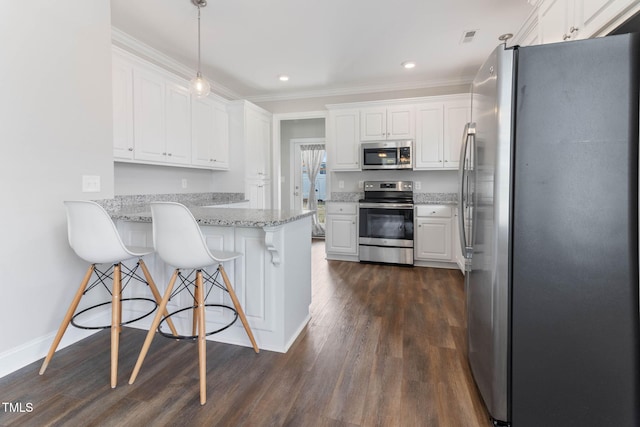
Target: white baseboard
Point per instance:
(31, 351)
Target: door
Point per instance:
(575, 265)
(486, 201)
(308, 156)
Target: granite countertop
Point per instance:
(135, 208)
(240, 217)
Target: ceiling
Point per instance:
(325, 46)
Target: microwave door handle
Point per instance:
(467, 136)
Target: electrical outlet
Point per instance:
(360, 185)
(185, 183)
(90, 183)
(341, 184)
(417, 185)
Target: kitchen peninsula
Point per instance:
(272, 278)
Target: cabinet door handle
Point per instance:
(566, 37)
(164, 154)
(130, 148)
(573, 29)
(170, 154)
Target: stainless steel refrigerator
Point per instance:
(549, 225)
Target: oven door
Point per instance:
(386, 224)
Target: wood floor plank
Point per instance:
(385, 346)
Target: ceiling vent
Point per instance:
(468, 36)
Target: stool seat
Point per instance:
(94, 238)
(179, 242)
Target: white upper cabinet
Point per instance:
(555, 20)
(161, 119)
(251, 130)
(560, 20)
(439, 126)
(395, 122)
(258, 144)
(122, 92)
(343, 140)
(429, 146)
(148, 102)
(177, 101)
(456, 115)
(153, 121)
(209, 134)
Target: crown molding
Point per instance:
(358, 90)
(528, 26)
(135, 46)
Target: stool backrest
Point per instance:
(177, 237)
(92, 234)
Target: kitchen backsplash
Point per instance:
(419, 198)
(193, 199)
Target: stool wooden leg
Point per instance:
(194, 326)
(238, 307)
(156, 294)
(154, 326)
(202, 342)
(67, 318)
(116, 317)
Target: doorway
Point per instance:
(309, 179)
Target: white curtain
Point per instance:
(312, 156)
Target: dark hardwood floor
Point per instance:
(385, 347)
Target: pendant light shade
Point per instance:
(199, 86)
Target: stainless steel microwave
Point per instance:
(387, 155)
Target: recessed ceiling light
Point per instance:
(283, 78)
(408, 64)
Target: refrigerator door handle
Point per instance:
(468, 138)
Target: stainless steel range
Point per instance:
(386, 222)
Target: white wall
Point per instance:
(132, 178)
(430, 181)
(55, 126)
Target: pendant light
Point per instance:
(199, 86)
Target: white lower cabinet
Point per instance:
(433, 233)
(341, 237)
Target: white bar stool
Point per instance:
(179, 242)
(94, 238)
